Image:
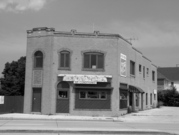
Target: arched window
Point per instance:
(38, 59)
(93, 60)
(64, 58)
(62, 89)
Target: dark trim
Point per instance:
(88, 87)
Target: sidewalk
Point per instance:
(18, 116)
(159, 115)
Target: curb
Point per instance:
(154, 132)
(60, 119)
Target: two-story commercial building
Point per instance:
(94, 74)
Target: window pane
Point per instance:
(38, 59)
(132, 68)
(103, 95)
(139, 68)
(82, 94)
(63, 94)
(67, 60)
(62, 60)
(93, 95)
(143, 72)
(39, 62)
(100, 61)
(93, 61)
(86, 61)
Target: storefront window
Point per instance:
(63, 94)
(92, 95)
(82, 94)
(103, 95)
(63, 88)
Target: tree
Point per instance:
(169, 97)
(14, 77)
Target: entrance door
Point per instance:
(62, 105)
(36, 100)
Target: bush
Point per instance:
(168, 97)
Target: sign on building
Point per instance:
(85, 79)
(123, 65)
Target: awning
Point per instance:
(85, 79)
(135, 89)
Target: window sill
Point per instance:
(37, 68)
(64, 69)
(63, 98)
(89, 69)
(78, 109)
(93, 99)
(133, 76)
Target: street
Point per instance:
(52, 126)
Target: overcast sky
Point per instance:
(153, 24)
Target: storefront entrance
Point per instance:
(62, 105)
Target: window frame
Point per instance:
(132, 68)
(98, 92)
(151, 101)
(35, 60)
(96, 54)
(63, 90)
(147, 71)
(64, 61)
(146, 98)
(66, 89)
(153, 76)
(140, 68)
(143, 72)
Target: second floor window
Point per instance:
(64, 58)
(94, 61)
(140, 68)
(143, 72)
(38, 59)
(153, 75)
(132, 67)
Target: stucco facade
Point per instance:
(42, 83)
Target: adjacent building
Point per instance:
(168, 77)
(95, 74)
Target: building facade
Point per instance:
(93, 74)
(168, 78)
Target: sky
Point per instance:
(153, 25)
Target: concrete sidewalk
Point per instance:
(159, 115)
(18, 116)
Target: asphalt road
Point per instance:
(53, 125)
